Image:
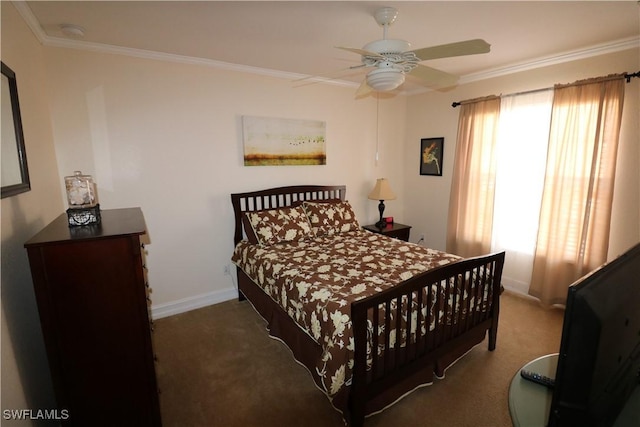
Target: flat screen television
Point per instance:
(599, 360)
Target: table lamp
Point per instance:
(382, 191)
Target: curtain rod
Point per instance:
(626, 76)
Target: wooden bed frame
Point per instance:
(408, 366)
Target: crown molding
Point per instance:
(182, 59)
(46, 40)
(30, 19)
(560, 58)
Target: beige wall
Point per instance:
(431, 115)
(166, 136)
(25, 372)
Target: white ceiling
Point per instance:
(298, 38)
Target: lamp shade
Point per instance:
(382, 191)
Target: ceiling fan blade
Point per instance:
(361, 52)
(333, 75)
(432, 78)
(468, 47)
(363, 90)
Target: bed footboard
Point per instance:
(450, 307)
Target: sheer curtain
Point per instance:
(523, 136)
(573, 235)
(537, 182)
(472, 189)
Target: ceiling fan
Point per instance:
(393, 59)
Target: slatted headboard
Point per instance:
(274, 198)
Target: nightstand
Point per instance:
(395, 230)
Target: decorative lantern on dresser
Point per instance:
(82, 197)
(90, 286)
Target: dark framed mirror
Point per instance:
(15, 174)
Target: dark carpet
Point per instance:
(217, 366)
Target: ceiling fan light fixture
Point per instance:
(385, 79)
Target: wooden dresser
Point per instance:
(90, 286)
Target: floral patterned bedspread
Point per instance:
(316, 280)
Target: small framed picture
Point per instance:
(431, 151)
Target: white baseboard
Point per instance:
(159, 311)
(191, 303)
(517, 291)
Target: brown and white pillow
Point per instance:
(273, 226)
(331, 217)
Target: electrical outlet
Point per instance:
(227, 270)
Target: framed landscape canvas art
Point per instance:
(431, 151)
(280, 142)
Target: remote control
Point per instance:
(537, 378)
